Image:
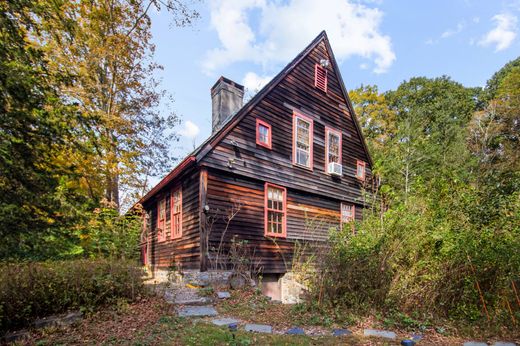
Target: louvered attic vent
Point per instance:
(320, 78)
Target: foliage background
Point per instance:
(441, 234)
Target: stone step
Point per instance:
(380, 333)
(197, 311)
(193, 301)
(225, 321)
(258, 328)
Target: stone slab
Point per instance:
(416, 337)
(223, 295)
(259, 328)
(295, 331)
(475, 343)
(197, 311)
(504, 343)
(225, 321)
(380, 333)
(193, 301)
(59, 320)
(341, 332)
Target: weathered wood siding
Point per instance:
(184, 252)
(296, 92)
(309, 217)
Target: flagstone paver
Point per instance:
(197, 311)
(504, 343)
(223, 295)
(341, 332)
(225, 321)
(475, 343)
(380, 333)
(259, 328)
(295, 331)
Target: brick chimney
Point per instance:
(226, 99)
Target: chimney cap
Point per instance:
(227, 81)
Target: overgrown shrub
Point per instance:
(32, 290)
(429, 258)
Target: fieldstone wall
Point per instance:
(291, 289)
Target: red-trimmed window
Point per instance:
(275, 211)
(263, 133)
(302, 140)
(176, 214)
(348, 213)
(161, 219)
(360, 170)
(320, 78)
(333, 145)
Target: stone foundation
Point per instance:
(280, 287)
(283, 287)
(291, 289)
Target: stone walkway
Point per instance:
(191, 305)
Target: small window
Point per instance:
(263, 133)
(333, 147)
(320, 78)
(348, 213)
(176, 211)
(161, 220)
(275, 211)
(302, 140)
(360, 170)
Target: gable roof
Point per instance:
(202, 150)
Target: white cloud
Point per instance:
(253, 82)
(451, 32)
(283, 29)
(503, 34)
(190, 130)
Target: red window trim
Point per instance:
(353, 208)
(270, 136)
(266, 210)
(364, 164)
(297, 115)
(161, 224)
(172, 204)
(319, 68)
(327, 131)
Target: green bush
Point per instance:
(427, 258)
(33, 290)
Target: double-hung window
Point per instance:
(275, 211)
(348, 213)
(176, 211)
(161, 219)
(333, 148)
(360, 170)
(302, 140)
(263, 134)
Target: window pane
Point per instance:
(334, 148)
(263, 134)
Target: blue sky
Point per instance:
(381, 42)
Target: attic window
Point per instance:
(320, 78)
(263, 134)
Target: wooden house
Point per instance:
(293, 153)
